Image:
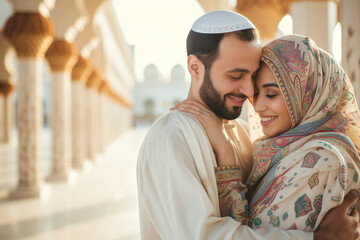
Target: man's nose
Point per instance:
(247, 87)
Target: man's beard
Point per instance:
(213, 100)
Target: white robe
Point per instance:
(178, 196)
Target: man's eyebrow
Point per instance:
(235, 70)
(270, 85)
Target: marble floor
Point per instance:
(98, 203)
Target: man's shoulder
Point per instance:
(170, 128)
(166, 134)
(172, 121)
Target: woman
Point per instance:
(308, 159)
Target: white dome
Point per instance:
(151, 73)
(177, 73)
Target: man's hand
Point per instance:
(337, 224)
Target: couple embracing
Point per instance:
(199, 175)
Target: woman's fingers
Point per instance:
(188, 105)
(192, 110)
(194, 107)
(198, 104)
(191, 102)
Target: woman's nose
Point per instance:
(258, 104)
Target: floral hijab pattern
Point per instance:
(319, 97)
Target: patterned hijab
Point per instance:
(320, 100)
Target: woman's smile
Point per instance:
(266, 120)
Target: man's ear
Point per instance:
(195, 66)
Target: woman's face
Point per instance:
(269, 103)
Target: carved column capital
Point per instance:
(6, 88)
(103, 87)
(99, 84)
(61, 55)
(93, 79)
(118, 98)
(82, 70)
(30, 33)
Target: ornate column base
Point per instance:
(78, 167)
(25, 192)
(57, 177)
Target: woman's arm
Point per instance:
(212, 125)
(232, 191)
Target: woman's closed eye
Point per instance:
(271, 95)
(271, 92)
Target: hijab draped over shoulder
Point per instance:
(309, 169)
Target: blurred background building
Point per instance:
(72, 99)
(155, 95)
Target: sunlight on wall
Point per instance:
(336, 46)
(158, 31)
(286, 25)
(232, 3)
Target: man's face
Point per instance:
(229, 81)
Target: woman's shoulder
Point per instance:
(335, 142)
(326, 153)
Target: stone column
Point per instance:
(61, 56)
(31, 34)
(108, 114)
(103, 116)
(315, 19)
(350, 38)
(107, 121)
(122, 113)
(97, 118)
(6, 106)
(6, 88)
(80, 74)
(112, 114)
(91, 104)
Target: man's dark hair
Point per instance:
(205, 46)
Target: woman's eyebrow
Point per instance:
(270, 85)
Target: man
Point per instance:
(178, 196)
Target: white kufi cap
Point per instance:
(221, 21)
